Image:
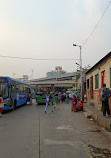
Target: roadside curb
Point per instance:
(106, 133)
(87, 114)
(102, 122)
(87, 151)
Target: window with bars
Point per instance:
(97, 81)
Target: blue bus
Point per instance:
(13, 92)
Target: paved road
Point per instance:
(30, 133)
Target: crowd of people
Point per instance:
(59, 97)
(74, 97)
(77, 103)
(64, 97)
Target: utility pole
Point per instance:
(80, 66)
(75, 83)
(81, 71)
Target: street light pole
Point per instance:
(81, 70)
(80, 66)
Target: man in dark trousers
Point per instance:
(105, 94)
(48, 101)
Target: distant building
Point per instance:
(24, 78)
(58, 68)
(61, 82)
(57, 72)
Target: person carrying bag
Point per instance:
(48, 101)
(105, 94)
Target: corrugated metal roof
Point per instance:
(55, 77)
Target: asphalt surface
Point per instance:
(28, 132)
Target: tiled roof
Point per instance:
(104, 58)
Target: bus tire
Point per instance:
(14, 104)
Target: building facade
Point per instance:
(100, 73)
(61, 82)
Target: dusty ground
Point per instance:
(30, 133)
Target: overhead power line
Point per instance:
(32, 58)
(96, 24)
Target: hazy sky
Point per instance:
(47, 29)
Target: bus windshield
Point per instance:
(42, 90)
(45, 88)
(3, 88)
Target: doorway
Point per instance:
(91, 87)
(102, 77)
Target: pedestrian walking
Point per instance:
(1, 105)
(48, 101)
(56, 101)
(30, 97)
(67, 98)
(70, 96)
(59, 96)
(105, 94)
(74, 102)
(64, 96)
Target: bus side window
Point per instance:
(21, 88)
(17, 88)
